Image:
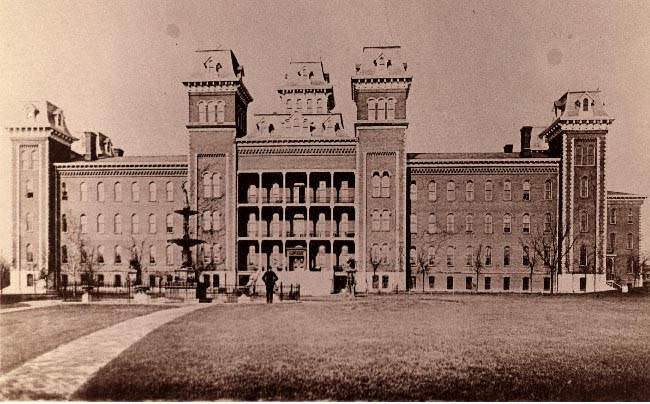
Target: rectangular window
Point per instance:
(432, 282)
(583, 284)
(506, 283)
(414, 282)
(375, 281)
(414, 223)
(215, 280)
(468, 283)
(547, 283)
(384, 282)
(488, 283)
(118, 280)
(450, 282)
(525, 283)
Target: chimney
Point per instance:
(91, 146)
(526, 132)
(507, 148)
(118, 152)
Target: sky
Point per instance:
(481, 70)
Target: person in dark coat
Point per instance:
(269, 279)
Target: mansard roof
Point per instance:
(306, 74)
(381, 61)
(215, 65)
(570, 105)
(40, 115)
(297, 125)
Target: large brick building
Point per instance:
(302, 194)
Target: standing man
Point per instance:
(269, 279)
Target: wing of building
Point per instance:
(315, 200)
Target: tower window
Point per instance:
(583, 255)
(376, 185)
(414, 223)
(203, 111)
(612, 216)
(64, 192)
(413, 191)
(385, 220)
(584, 222)
(381, 109)
(372, 109)
(29, 253)
(64, 223)
(390, 109)
(584, 187)
(29, 188)
(220, 116)
(585, 104)
(385, 185)
(548, 190)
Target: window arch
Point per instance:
(376, 185)
(372, 109)
(578, 155)
(30, 279)
(83, 192)
(525, 256)
(216, 252)
(381, 109)
(451, 191)
(584, 187)
(289, 104)
(507, 190)
(451, 228)
(203, 111)
(385, 185)
(630, 216)
(299, 105)
(469, 191)
(135, 224)
(207, 253)
(506, 256)
(24, 160)
(612, 216)
(152, 192)
(310, 105)
(385, 220)
(469, 256)
(100, 192)
(319, 105)
(135, 192)
(211, 112)
(83, 223)
(432, 224)
(488, 224)
(431, 255)
(117, 223)
(118, 191)
(385, 251)
(413, 191)
(221, 109)
(630, 241)
(488, 190)
(101, 223)
(100, 254)
(525, 224)
(216, 185)
(450, 256)
(28, 221)
(526, 188)
(507, 223)
(169, 188)
(585, 104)
(117, 254)
(390, 109)
(169, 222)
(152, 223)
(432, 191)
(469, 223)
(29, 253)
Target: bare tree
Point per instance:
(639, 267)
(531, 258)
(81, 256)
(430, 253)
(136, 261)
(477, 262)
(552, 247)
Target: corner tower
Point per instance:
(380, 88)
(217, 107)
(578, 136)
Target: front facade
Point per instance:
(302, 194)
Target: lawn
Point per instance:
(27, 334)
(434, 347)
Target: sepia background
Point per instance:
(481, 69)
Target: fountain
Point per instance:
(186, 243)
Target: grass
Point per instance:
(13, 305)
(27, 334)
(435, 347)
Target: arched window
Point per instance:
(548, 190)
(612, 216)
(432, 224)
(64, 192)
(207, 185)
(34, 163)
(216, 220)
(29, 188)
(207, 221)
(28, 221)
(630, 216)
(83, 223)
(385, 220)
(64, 223)
(507, 190)
(216, 185)
(29, 253)
(64, 254)
(432, 191)
(385, 251)
(83, 192)
(207, 253)
(390, 109)
(118, 192)
(385, 185)
(212, 116)
(216, 253)
(100, 192)
(547, 222)
(169, 254)
(469, 223)
(310, 105)
(376, 220)
(375, 253)
(117, 254)
(488, 224)
(630, 241)
(525, 224)
(203, 111)
(221, 109)
(525, 257)
(152, 255)
(584, 187)
(117, 224)
(431, 255)
(299, 105)
(583, 255)
(372, 109)
(152, 223)
(100, 223)
(289, 105)
(135, 224)
(451, 228)
(376, 185)
(612, 242)
(152, 192)
(414, 191)
(488, 255)
(135, 192)
(584, 222)
(169, 188)
(381, 109)
(507, 223)
(488, 190)
(169, 222)
(469, 256)
(469, 191)
(450, 256)
(24, 160)
(451, 191)
(579, 155)
(414, 223)
(319, 106)
(526, 196)
(100, 254)
(590, 157)
(30, 279)
(506, 256)
(585, 104)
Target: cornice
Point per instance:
(49, 131)
(372, 83)
(515, 162)
(219, 87)
(298, 151)
(362, 124)
(568, 125)
(242, 142)
(79, 169)
(459, 169)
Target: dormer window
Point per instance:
(585, 104)
(271, 129)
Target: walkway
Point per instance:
(57, 374)
(34, 304)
